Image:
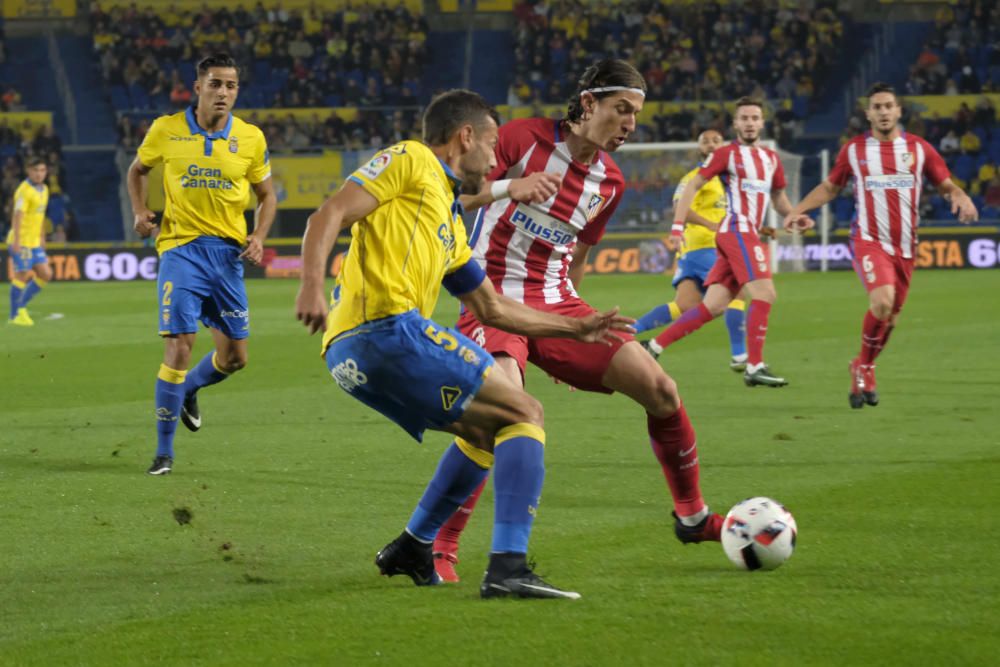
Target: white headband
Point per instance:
(608, 89)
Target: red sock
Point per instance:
(873, 335)
(689, 322)
(884, 341)
(757, 316)
(673, 442)
(447, 537)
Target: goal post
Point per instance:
(653, 170)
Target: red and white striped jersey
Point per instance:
(527, 249)
(888, 177)
(749, 174)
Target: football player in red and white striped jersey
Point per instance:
(888, 166)
(534, 249)
(752, 177)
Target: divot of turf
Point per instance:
(182, 515)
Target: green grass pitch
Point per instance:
(292, 487)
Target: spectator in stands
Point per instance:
(11, 100)
(47, 143)
(970, 142)
(949, 143)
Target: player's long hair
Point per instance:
(610, 72)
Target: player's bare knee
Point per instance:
(666, 399)
(529, 411)
(234, 361)
(44, 272)
(881, 308)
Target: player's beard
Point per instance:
(473, 183)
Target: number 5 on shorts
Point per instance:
(442, 338)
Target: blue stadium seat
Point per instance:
(965, 167)
(119, 98)
(187, 71)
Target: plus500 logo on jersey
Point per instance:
(543, 227)
(755, 186)
(891, 182)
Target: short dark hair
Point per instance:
(216, 60)
(748, 101)
(881, 87)
(34, 161)
(609, 72)
(451, 110)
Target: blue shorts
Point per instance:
(28, 258)
(695, 265)
(203, 280)
(417, 373)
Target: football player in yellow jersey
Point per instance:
(210, 160)
(695, 256)
(26, 241)
(407, 240)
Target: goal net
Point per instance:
(652, 172)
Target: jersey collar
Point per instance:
(192, 122)
(456, 188)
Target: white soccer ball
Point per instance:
(759, 534)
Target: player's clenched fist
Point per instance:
(798, 223)
(311, 308)
(143, 224)
(535, 188)
(601, 327)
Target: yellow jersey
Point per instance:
(402, 250)
(31, 200)
(709, 203)
(206, 176)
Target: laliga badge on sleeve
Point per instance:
(377, 165)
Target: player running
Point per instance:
(751, 175)
(407, 240)
(888, 166)
(696, 255)
(26, 242)
(210, 159)
(535, 252)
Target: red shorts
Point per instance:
(742, 259)
(581, 365)
(877, 268)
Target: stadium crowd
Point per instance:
(364, 56)
(689, 51)
(962, 55)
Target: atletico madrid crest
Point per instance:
(906, 159)
(594, 206)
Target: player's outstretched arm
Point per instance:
(267, 207)
(137, 183)
(350, 204)
(961, 203)
(531, 189)
(796, 218)
(683, 207)
(498, 311)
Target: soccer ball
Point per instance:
(759, 534)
